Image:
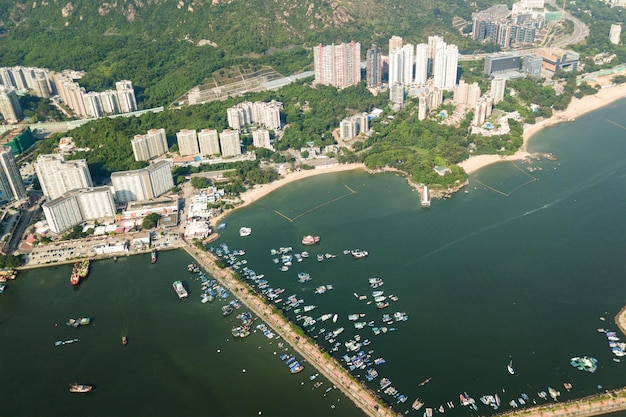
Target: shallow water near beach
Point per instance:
(522, 268)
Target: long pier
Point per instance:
(362, 397)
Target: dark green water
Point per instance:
(523, 273)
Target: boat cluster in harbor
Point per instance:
(618, 348)
(5, 275)
(349, 341)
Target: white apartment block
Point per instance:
(261, 138)
(239, 115)
(58, 176)
(261, 113)
(352, 126)
(615, 33)
(444, 64)
(498, 88)
(62, 213)
(267, 114)
(142, 184)
(38, 80)
(187, 142)
(78, 206)
(96, 203)
(208, 140)
(421, 64)
(150, 145)
(337, 65)
(466, 94)
(11, 183)
(229, 143)
(95, 104)
(10, 108)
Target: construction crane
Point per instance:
(562, 14)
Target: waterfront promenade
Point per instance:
(324, 363)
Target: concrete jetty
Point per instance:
(362, 397)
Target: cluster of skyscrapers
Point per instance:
(72, 198)
(44, 83)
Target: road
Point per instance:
(581, 30)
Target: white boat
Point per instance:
(180, 289)
(245, 231)
(509, 367)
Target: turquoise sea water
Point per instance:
(520, 268)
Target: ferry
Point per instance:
(80, 388)
(153, 256)
(425, 202)
(310, 240)
(245, 231)
(180, 289)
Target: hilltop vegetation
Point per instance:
(167, 47)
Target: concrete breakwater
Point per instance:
(362, 397)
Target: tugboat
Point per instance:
(153, 256)
(80, 388)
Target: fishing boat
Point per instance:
(245, 231)
(553, 393)
(180, 289)
(310, 240)
(74, 276)
(83, 268)
(80, 388)
(424, 382)
(417, 404)
(153, 256)
(509, 368)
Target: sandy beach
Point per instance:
(259, 191)
(576, 108)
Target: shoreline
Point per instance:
(261, 190)
(575, 109)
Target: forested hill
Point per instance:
(167, 46)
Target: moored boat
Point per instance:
(245, 231)
(75, 276)
(180, 289)
(417, 404)
(153, 256)
(80, 388)
(83, 268)
(310, 240)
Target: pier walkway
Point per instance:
(362, 397)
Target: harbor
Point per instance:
(449, 269)
(362, 397)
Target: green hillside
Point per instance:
(166, 46)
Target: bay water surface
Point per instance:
(522, 268)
